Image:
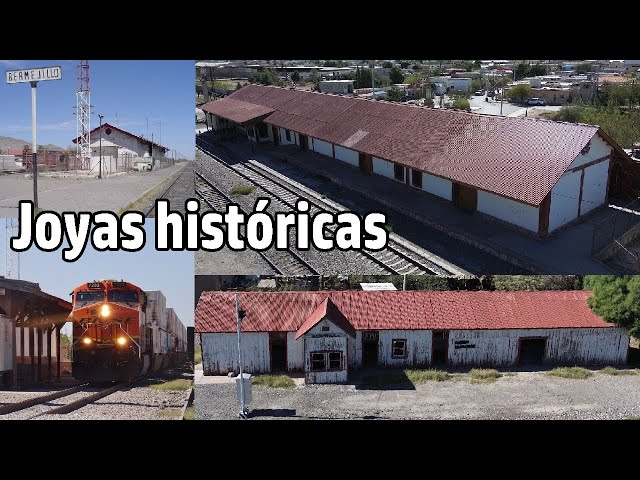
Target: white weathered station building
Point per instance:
(535, 174)
(120, 149)
(327, 334)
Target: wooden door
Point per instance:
(465, 198)
(276, 134)
(304, 143)
(365, 162)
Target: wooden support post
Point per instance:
(58, 351)
(49, 332)
(39, 337)
(14, 329)
(32, 354)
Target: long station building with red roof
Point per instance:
(326, 334)
(538, 175)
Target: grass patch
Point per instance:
(273, 381)
(169, 413)
(197, 355)
(483, 375)
(634, 417)
(615, 371)
(177, 384)
(190, 413)
(570, 372)
(242, 190)
(388, 228)
(422, 376)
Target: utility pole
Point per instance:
(152, 161)
(34, 146)
(501, 99)
(100, 171)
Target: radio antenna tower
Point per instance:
(12, 260)
(83, 115)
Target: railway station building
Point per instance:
(534, 174)
(328, 334)
(30, 325)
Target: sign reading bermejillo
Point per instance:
(34, 74)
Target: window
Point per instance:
(326, 361)
(129, 296)
(398, 349)
(398, 172)
(288, 135)
(416, 178)
(89, 297)
(325, 328)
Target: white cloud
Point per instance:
(13, 63)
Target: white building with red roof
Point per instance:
(538, 175)
(327, 334)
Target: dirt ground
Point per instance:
(523, 395)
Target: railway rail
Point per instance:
(399, 257)
(178, 191)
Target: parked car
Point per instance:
(478, 93)
(535, 101)
(490, 93)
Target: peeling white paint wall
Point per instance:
(331, 339)
(220, 352)
(283, 137)
(418, 347)
(564, 345)
(295, 352)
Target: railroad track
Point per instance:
(62, 402)
(400, 257)
(178, 191)
(281, 261)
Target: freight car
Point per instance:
(115, 338)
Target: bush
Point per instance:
(570, 372)
(615, 371)
(273, 381)
(418, 377)
(461, 103)
(482, 375)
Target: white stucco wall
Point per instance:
(440, 187)
(564, 345)
(322, 147)
(283, 137)
(594, 186)
(220, 352)
(598, 149)
(564, 200)
(382, 167)
(126, 144)
(418, 347)
(347, 155)
(517, 213)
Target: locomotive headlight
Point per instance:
(104, 311)
(122, 341)
(86, 341)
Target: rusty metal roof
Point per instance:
(516, 157)
(389, 310)
(32, 288)
(236, 110)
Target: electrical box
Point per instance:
(246, 379)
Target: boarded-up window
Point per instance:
(398, 172)
(326, 361)
(399, 348)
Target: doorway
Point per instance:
(278, 347)
(365, 162)
(369, 349)
(439, 347)
(275, 134)
(465, 198)
(304, 143)
(532, 351)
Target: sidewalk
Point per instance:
(565, 252)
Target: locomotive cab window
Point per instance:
(129, 296)
(89, 296)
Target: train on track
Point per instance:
(121, 332)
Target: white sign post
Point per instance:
(33, 76)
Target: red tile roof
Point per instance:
(329, 310)
(388, 310)
(236, 110)
(516, 157)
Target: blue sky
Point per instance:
(160, 92)
(171, 272)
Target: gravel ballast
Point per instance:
(526, 395)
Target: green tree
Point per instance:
(537, 70)
(295, 76)
(521, 70)
(238, 86)
(477, 63)
(394, 94)
(616, 298)
(536, 282)
(387, 64)
(404, 64)
(396, 75)
(461, 103)
(583, 68)
(520, 92)
(477, 84)
(416, 66)
(313, 78)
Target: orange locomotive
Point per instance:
(108, 318)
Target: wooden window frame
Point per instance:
(393, 347)
(325, 354)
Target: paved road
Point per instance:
(75, 193)
(492, 107)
